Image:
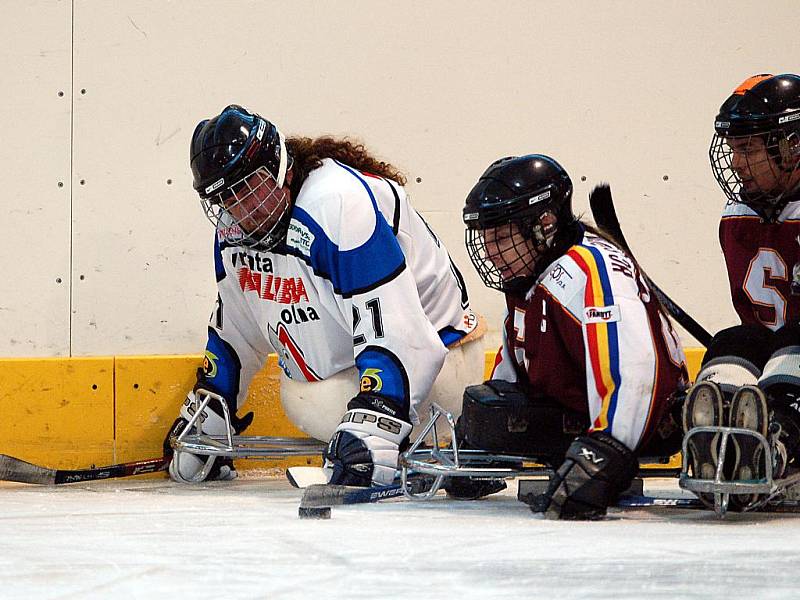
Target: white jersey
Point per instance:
(360, 280)
(590, 335)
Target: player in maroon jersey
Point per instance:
(586, 351)
(751, 373)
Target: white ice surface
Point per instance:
(243, 539)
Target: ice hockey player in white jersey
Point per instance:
(320, 257)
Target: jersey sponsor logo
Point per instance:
(558, 276)
(371, 380)
(254, 262)
(295, 314)
(210, 364)
(283, 290)
(470, 320)
(230, 234)
(601, 314)
(300, 237)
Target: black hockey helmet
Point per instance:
(239, 162)
(755, 151)
(518, 210)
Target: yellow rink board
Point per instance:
(58, 412)
(75, 412)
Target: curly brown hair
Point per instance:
(308, 153)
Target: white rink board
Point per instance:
(621, 91)
(35, 46)
(243, 539)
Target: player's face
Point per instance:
(257, 202)
(510, 251)
(753, 165)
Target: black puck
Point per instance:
(322, 512)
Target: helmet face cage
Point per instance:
(252, 212)
(757, 169)
(505, 256)
(240, 164)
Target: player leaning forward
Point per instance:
(320, 257)
(750, 376)
(582, 334)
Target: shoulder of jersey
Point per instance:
(565, 281)
(332, 192)
(328, 186)
(737, 209)
(791, 212)
(588, 262)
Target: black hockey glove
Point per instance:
(595, 471)
(365, 446)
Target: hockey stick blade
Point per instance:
(605, 216)
(15, 469)
(781, 506)
(647, 501)
(303, 477)
(322, 496)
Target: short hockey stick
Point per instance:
(14, 469)
(602, 205)
(325, 496)
(322, 496)
(647, 501)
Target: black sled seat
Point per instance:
(498, 417)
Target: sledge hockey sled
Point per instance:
(194, 441)
(768, 491)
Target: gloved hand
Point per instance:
(187, 467)
(595, 471)
(364, 448)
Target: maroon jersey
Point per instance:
(590, 335)
(763, 261)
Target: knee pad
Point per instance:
(781, 377)
(317, 407)
(736, 357)
(752, 343)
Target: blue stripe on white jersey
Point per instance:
(370, 265)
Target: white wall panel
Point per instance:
(34, 160)
(620, 91)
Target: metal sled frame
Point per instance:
(767, 487)
(194, 441)
(442, 461)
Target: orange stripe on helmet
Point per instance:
(751, 82)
